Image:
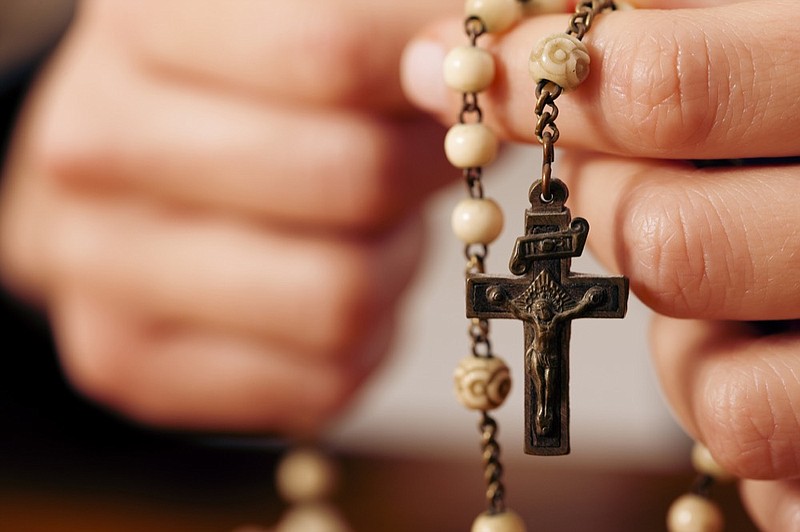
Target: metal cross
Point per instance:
(547, 296)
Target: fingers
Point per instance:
(714, 243)
(261, 159)
(736, 390)
(774, 506)
(200, 378)
(695, 84)
(325, 52)
(333, 169)
(314, 292)
(203, 186)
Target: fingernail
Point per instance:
(421, 74)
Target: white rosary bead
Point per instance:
(693, 513)
(496, 15)
(560, 58)
(314, 517)
(477, 220)
(704, 463)
(306, 475)
(505, 521)
(482, 383)
(470, 145)
(468, 69)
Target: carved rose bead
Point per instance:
(560, 58)
(497, 15)
(477, 220)
(482, 383)
(468, 69)
(470, 145)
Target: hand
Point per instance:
(217, 205)
(710, 250)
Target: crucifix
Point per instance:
(547, 296)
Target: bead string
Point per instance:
(482, 379)
(552, 82)
(695, 510)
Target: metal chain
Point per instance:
(470, 107)
(473, 180)
(583, 17)
(702, 485)
(548, 92)
(478, 329)
(546, 130)
(479, 335)
(493, 469)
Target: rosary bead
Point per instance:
(468, 69)
(704, 463)
(693, 513)
(470, 145)
(482, 383)
(306, 475)
(505, 521)
(312, 518)
(560, 58)
(477, 220)
(496, 15)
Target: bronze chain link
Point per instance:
(547, 92)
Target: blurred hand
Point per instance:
(710, 250)
(217, 204)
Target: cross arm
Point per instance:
(613, 302)
(487, 295)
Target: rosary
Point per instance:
(542, 292)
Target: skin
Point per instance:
(709, 250)
(220, 221)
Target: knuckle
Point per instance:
(659, 91)
(361, 155)
(60, 150)
(335, 393)
(748, 421)
(77, 251)
(345, 298)
(335, 53)
(68, 142)
(99, 371)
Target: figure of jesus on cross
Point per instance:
(546, 296)
(542, 355)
